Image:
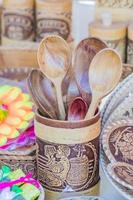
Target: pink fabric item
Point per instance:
(25, 139)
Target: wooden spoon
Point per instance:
(83, 56)
(104, 74)
(54, 57)
(38, 92)
(77, 109)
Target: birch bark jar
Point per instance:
(53, 17)
(113, 33)
(68, 155)
(130, 45)
(17, 21)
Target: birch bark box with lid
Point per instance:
(113, 33)
(130, 45)
(53, 17)
(17, 21)
(121, 9)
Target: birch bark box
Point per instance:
(68, 155)
(53, 17)
(17, 21)
(121, 10)
(114, 34)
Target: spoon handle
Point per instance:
(92, 108)
(60, 101)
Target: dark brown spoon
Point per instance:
(42, 93)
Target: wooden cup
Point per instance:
(68, 155)
(114, 35)
(17, 21)
(53, 17)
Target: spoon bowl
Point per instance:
(77, 109)
(54, 57)
(42, 93)
(104, 74)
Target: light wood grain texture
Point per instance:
(104, 74)
(114, 31)
(19, 55)
(119, 14)
(54, 58)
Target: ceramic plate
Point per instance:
(125, 192)
(123, 111)
(122, 173)
(117, 141)
(116, 97)
(82, 198)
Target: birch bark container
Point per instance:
(130, 45)
(68, 155)
(122, 10)
(17, 21)
(53, 17)
(114, 34)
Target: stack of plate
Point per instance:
(119, 99)
(117, 141)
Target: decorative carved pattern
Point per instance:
(127, 70)
(27, 165)
(115, 3)
(122, 173)
(118, 45)
(73, 165)
(125, 173)
(47, 26)
(130, 52)
(18, 26)
(121, 144)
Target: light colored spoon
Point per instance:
(104, 74)
(39, 93)
(83, 56)
(77, 109)
(54, 57)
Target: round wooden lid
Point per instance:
(115, 31)
(130, 31)
(13, 4)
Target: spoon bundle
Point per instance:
(95, 71)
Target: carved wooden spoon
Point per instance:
(77, 109)
(83, 56)
(40, 92)
(104, 74)
(54, 58)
